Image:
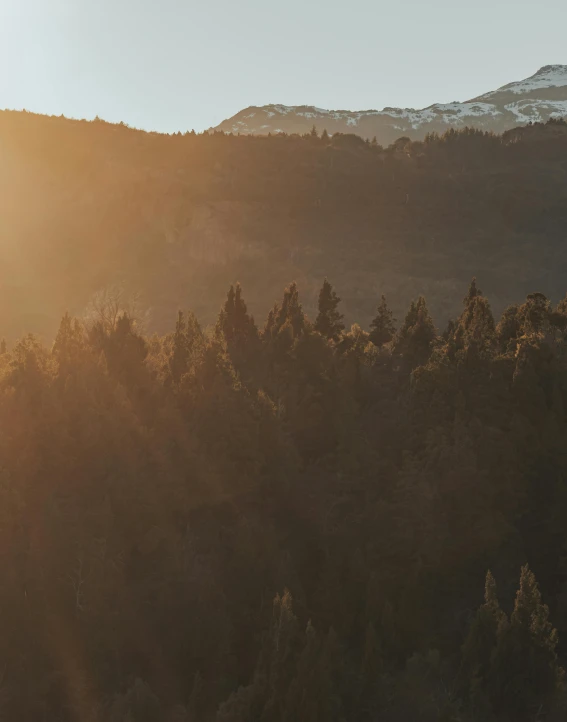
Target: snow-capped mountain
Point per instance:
(538, 98)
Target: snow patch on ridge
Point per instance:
(488, 111)
(550, 76)
(531, 111)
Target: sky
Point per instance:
(173, 65)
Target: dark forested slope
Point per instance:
(88, 205)
(289, 521)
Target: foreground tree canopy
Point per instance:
(286, 521)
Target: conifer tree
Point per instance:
(509, 327)
(382, 325)
(469, 304)
(3, 347)
(410, 320)
(68, 342)
(238, 325)
(482, 327)
(481, 640)
(313, 694)
(187, 344)
(525, 672)
(329, 321)
(354, 357)
(472, 292)
(324, 135)
(267, 696)
(126, 350)
(270, 325)
(237, 328)
(474, 331)
(280, 660)
(287, 313)
(415, 338)
(302, 692)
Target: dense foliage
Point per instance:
(291, 522)
(90, 204)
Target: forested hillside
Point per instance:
(292, 519)
(85, 206)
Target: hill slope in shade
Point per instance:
(177, 219)
(535, 99)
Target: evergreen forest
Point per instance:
(290, 518)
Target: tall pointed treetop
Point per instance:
(329, 322)
(382, 326)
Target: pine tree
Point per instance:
(469, 303)
(324, 135)
(313, 694)
(382, 325)
(287, 313)
(474, 331)
(3, 347)
(234, 322)
(188, 343)
(354, 357)
(314, 132)
(509, 327)
(301, 698)
(237, 328)
(481, 640)
(126, 351)
(270, 325)
(280, 661)
(482, 327)
(473, 292)
(271, 689)
(410, 320)
(414, 341)
(292, 310)
(329, 320)
(525, 673)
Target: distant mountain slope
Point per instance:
(177, 219)
(535, 99)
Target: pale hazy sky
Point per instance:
(179, 64)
